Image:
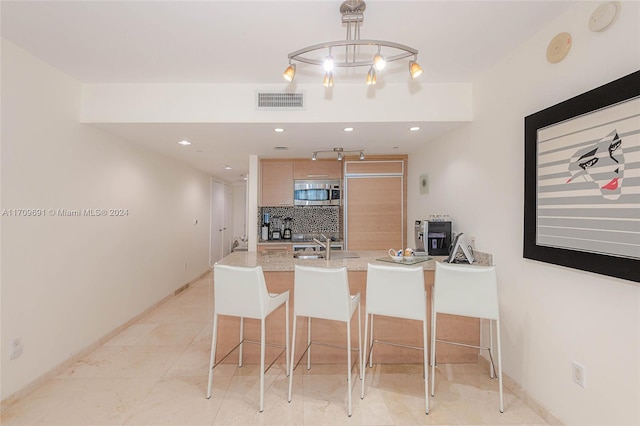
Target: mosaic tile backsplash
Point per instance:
(306, 219)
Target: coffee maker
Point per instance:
(286, 233)
(432, 237)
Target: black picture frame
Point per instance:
(610, 94)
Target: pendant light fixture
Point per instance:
(357, 52)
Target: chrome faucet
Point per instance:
(326, 245)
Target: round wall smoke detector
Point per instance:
(558, 47)
(604, 16)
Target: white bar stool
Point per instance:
(470, 291)
(242, 292)
(396, 291)
(324, 293)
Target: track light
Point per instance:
(371, 76)
(290, 72)
(328, 79)
(340, 151)
(328, 63)
(414, 69)
(378, 61)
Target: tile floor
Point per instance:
(155, 373)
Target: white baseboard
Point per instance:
(517, 390)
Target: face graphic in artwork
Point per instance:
(602, 163)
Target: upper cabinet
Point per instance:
(319, 169)
(278, 176)
(277, 183)
(375, 203)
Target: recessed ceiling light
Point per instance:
(227, 167)
(414, 128)
(280, 148)
(278, 130)
(184, 143)
(348, 129)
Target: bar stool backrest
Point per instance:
(466, 290)
(396, 291)
(322, 293)
(240, 291)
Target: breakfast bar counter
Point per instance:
(283, 261)
(279, 266)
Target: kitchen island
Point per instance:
(278, 267)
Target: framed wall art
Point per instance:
(582, 181)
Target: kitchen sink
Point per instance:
(338, 254)
(344, 254)
(308, 256)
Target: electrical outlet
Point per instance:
(579, 374)
(16, 348)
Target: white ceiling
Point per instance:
(247, 42)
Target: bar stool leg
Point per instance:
(240, 352)
(433, 351)
(286, 338)
(214, 339)
(308, 343)
(371, 344)
(292, 364)
(262, 353)
(349, 364)
(364, 361)
(360, 343)
(499, 366)
(425, 366)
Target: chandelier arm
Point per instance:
(297, 55)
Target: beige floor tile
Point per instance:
(180, 401)
(125, 361)
(71, 402)
(131, 335)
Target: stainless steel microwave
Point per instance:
(316, 192)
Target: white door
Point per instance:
(227, 237)
(217, 222)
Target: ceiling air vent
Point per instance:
(279, 101)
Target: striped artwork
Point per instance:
(588, 182)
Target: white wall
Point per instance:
(551, 315)
(69, 281)
(239, 225)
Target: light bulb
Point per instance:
(328, 63)
(379, 62)
(339, 156)
(414, 69)
(371, 76)
(328, 79)
(290, 72)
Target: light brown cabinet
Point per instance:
(277, 183)
(375, 204)
(319, 169)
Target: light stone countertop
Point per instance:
(281, 261)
